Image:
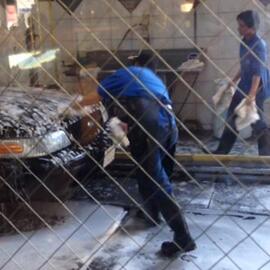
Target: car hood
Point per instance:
(32, 112)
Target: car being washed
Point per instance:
(45, 146)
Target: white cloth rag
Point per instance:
(117, 133)
(223, 96)
(245, 114)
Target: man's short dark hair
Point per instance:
(250, 18)
(146, 59)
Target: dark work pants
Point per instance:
(260, 128)
(156, 194)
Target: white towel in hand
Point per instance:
(117, 133)
(245, 114)
(223, 96)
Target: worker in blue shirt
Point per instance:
(254, 83)
(137, 89)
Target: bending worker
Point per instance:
(134, 88)
(254, 83)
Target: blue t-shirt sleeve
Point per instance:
(258, 63)
(111, 84)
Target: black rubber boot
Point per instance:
(226, 142)
(170, 249)
(175, 219)
(152, 218)
(218, 151)
(227, 139)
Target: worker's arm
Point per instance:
(255, 87)
(90, 99)
(108, 86)
(257, 64)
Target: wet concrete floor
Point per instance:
(224, 242)
(229, 220)
(65, 245)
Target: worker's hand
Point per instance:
(124, 126)
(249, 99)
(232, 84)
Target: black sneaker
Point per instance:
(170, 249)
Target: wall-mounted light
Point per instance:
(11, 15)
(186, 6)
(32, 60)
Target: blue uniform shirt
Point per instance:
(123, 83)
(251, 66)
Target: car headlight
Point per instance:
(34, 147)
